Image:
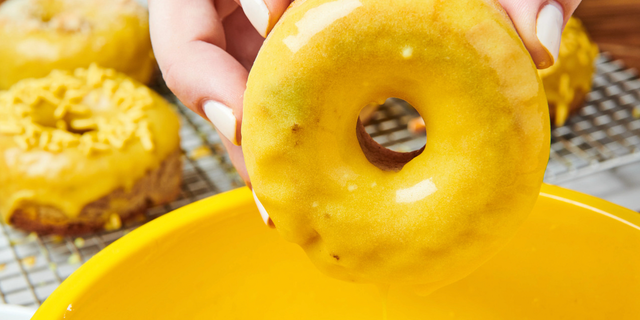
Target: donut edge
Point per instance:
(157, 187)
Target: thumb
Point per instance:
(264, 14)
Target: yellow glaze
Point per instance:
(576, 257)
(71, 138)
(571, 75)
(42, 35)
(449, 209)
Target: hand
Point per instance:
(206, 47)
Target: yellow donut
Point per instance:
(449, 209)
(42, 35)
(82, 151)
(568, 81)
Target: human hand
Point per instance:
(206, 47)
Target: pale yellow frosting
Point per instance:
(42, 35)
(461, 64)
(573, 72)
(70, 138)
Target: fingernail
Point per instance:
(263, 212)
(222, 117)
(258, 14)
(549, 29)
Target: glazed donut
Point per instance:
(568, 81)
(84, 151)
(365, 213)
(39, 36)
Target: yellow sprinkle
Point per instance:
(73, 259)
(147, 144)
(21, 142)
(124, 101)
(60, 111)
(94, 75)
(144, 134)
(64, 137)
(2, 266)
(79, 242)
(10, 128)
(61, 125)
(54, 147)
(636, 112)
(109, 87)
(83, 124)
(79, 109)
(29, 261)
(32, 129)
(114, 141)
(80, 73)
(50, 97)
(45, 138)
(53, 266)
(135, 115)
(29, 98)
(70, 93)
(75, 96)
(114, 222)
(57, 239)
(99, 146)
(32, 141)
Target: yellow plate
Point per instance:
(577, 257)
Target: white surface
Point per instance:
(11, 312)
(620, 185)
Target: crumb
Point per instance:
(79, 242)
(29, 261)
(73, 259)
(200, 152)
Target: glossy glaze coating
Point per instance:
(568, 81)
(449, 209)
(69, 139)
(42, 35)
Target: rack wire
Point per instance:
(604, 134)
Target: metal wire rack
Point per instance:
(603, 135)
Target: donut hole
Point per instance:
(391, 134)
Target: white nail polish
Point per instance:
(222, 117)
(257, 13)
(263, 212)
(549, 28)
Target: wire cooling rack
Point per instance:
(604, 134)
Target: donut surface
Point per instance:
(39, 36)
(80, 150)
(360, 212)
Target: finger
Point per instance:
(264, 14)
(188, 41)
(243, 41)
(540, 24)
(225, 7)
